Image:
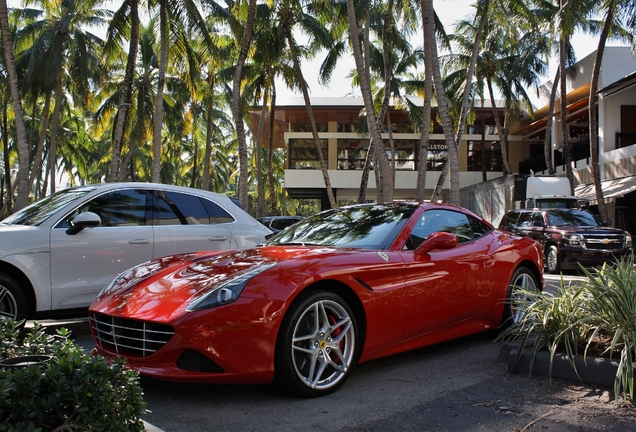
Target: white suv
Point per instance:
(58, 253)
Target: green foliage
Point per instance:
(73, 391)
(597, 316)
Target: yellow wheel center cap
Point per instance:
(323, 344)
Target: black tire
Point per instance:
(552, 262)
(314, 355)
(523, 279)
(13, 302)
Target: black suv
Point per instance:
(569, 236)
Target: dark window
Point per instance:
(573, 218)
(525, 220)
(479, 228)
(537, 220)
(364, 226)
(444, 221)
(303, 153)
(173, 208)
(509, 221)
(118, 208)
(217, 214)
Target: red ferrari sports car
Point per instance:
(341, 287)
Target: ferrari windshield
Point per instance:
(572, 218)
(361, 226)
(40, 211)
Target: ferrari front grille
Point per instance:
(129, 338)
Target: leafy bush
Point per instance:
(596, 316)
(73, 391)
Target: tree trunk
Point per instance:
(310, 113)
(161, 83)
(565, 134)
(126, 94)
(453, 160)
(503, 139)
(23, 147)
(365, 88)
(236, 106)
(260, 187)
(470, 72)
(592, 108)
(55, 123)
(422, 160)
(270, 150)
(8, 202)
(208, 133)
(37, 158)
(547, 145)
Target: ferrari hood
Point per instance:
(172, 284)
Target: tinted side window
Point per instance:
(525, 220)
(441, 221)
(509, 221)
(479, 228)
(537, 220)
(174, 208)
(118, 208)
(216, 212)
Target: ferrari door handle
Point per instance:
(489, 262)
(139, 241)
(218, 239)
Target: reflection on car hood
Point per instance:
(170, 284)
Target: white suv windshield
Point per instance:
(40, 211)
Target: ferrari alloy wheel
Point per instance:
(552, 260)
(522, 284)
(12, 300)
(318, 344)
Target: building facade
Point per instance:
(616, 115)
(345, 142)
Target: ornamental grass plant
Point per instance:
(595, 317)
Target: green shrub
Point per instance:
(73, 391)
(596, 316)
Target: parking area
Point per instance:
(458, 385)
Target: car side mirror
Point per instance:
(83, 220)
(437, 240)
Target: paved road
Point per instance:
(459, 385)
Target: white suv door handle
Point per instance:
(218, 239)
(139, 241)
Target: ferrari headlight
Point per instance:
(228, 291)
(108, 288)
(575, 240)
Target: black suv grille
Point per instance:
(129, 338)
(604, 242)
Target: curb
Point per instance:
(596, 370)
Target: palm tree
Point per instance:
(60, 44)
(237, 112)
(173, 14)
(453, 159)
(613, 10)
(117, 31)
(23, 149)
(365, 87)
(570, 16)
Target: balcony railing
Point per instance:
(624, 139)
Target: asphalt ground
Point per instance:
(461, 385)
